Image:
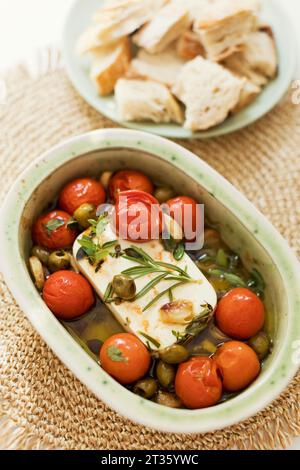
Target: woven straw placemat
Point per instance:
(42, 405)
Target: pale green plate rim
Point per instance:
(259, 395)
(77, 70)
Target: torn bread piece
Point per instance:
(109, 65)
(146, 100)
(189, 46)
(258, 59)
(209, 92)
(163, 67)
(224, 26)
(166, 26)
(248, 94)
(116, 20)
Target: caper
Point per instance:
(146, 388)
(41, 253)
(165, 374)
(174, 354)
(84, 213)
(168, 399)
(58, 260)
(164, 193)
(261, 344)
(124, 287)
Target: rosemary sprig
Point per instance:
(150, 339)
(161, 294)
(197, 325)
(156, 280)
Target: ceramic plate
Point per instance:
(79, 18)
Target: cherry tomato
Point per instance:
(124, 357)
(238, 365)
(240, 314)
(138, 216)
(81, 191)
(68, 294)
(51, 231)
(197, 383)
(184, 211)
(127, 180)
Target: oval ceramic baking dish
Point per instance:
(242, 227)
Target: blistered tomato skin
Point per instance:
(81, 191)
(68, 295)
(138, 216)
(46, 235)
(183, 210)
(197, 383)
(127, 180)
(125, 357)
(238, 365)
(240, 314)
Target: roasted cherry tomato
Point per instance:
(138, 216)
(197, 383)
(240, 314)
(184, 211)
(238, 365)
(81, 191)
(127, 180)
(68, 294)
(51, 231)
(124, 357)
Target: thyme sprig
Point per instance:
(196, 326)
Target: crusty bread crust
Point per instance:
(166, 27)
(189, 46)
(110, 65)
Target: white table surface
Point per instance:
(27, 26)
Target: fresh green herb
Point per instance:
(169, 244)
(102, 222)
(200, 321)
(161, 294)
(150, 339)
(108, 245)
(178, 252)
(54, 224)
(115, 354)
(222, 259)
(179, 336)
(197, 325)
(108, 292)
(156, 280)
(259, 280)
(233, 279)
(72, 223)
(171, 296)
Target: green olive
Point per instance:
(174, 354)
(41, 253)
(124, 287)
(165, 374)
(261, 344)
(146, 388)
(168, 399)
(164, 193)
(84, 213)
(58, 260)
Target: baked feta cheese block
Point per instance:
(157, 323)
